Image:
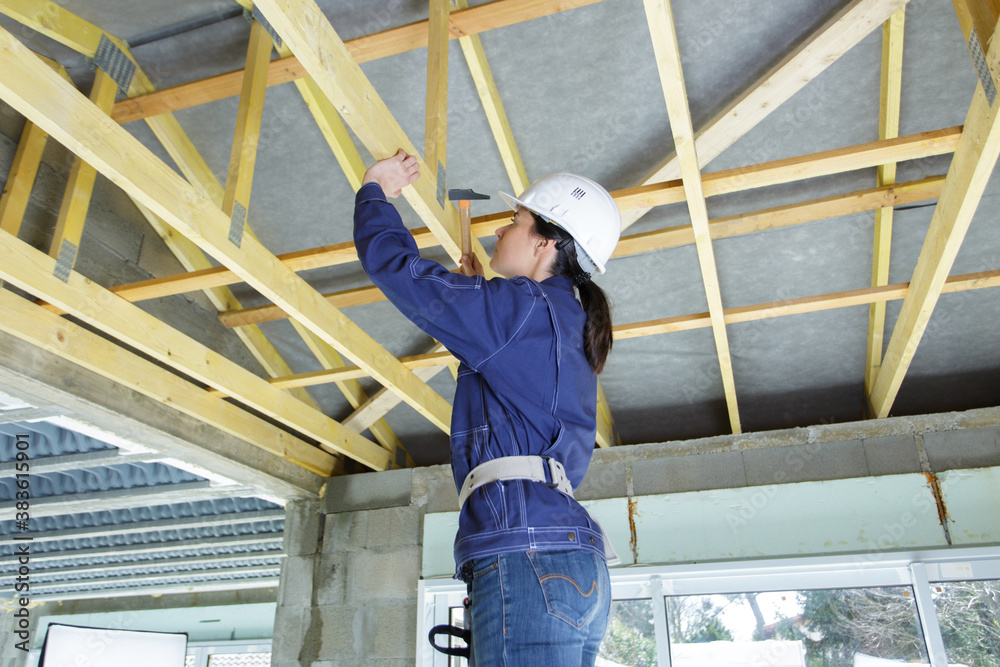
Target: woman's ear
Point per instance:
(543, 243)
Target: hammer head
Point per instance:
(465, 195)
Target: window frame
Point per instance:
(917, 569)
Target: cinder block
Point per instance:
(802, 463)
(376, 490)
(331, 578)
(973, 448)
(397, 626)
(397, 526)
(345, 531)
(337, 634)
(434, 488)
(892, 455)
(296, 584)
(378, 575)
(303, 523)
(605, 479)
(291, 625)
(697, 472)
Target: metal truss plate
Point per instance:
(237, 223)
(979, 59)
(115, 63)
(441, 180)
(65, 261)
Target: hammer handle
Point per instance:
(466, 219)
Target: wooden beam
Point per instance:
(832, 40)
(60, 110)
(480, 18)
(243, 157)
(489, 96)
(732, 180)
(673, 237)
(436, 108)
(811, 304)
(659, 16)
(888, 128)
(313, 378)
(80, 186)
(783, 216)
(21, 177)
(95, 353)
(607, 429)
(968, 174)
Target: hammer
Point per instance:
(464, 199)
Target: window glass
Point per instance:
(630, 638)
(969, 613)
(819, 628)
(457, 619)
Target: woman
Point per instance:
(524, 417)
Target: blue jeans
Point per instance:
(539, 608)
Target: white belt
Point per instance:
(531, 468)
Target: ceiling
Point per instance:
(582, 90)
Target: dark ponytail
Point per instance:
(597, 338)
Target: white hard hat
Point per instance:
(581, 207)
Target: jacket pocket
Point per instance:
(569, 582)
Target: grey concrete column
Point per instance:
(349, 597)
(292, 645)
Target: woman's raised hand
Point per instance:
(470, 265)
(394, 173)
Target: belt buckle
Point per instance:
(547, 471)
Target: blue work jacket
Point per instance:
(524, 384)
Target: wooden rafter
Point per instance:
(888, 128)
(60, 110)
(690, 322)
(732, 180)
(673, 237)
(436, 109)
(79, 346)
(832, 40)
(243, 157)
(390, 42)
(970, 169)
(24, 168)
(80, 185)
(659, 16)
